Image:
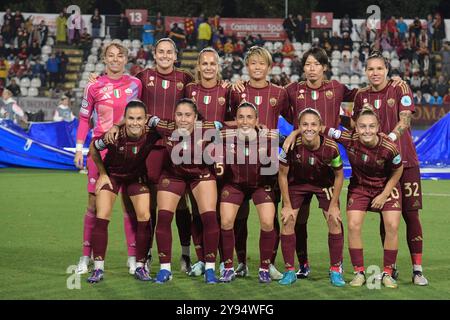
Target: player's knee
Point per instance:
(267, 225)
(354, 227)
(226, 223)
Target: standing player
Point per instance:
(244, 178)
(180, 140)
(105, 102)
(376, 170)
(212, 102)
(314, 166)
(271, 101)
(123, 168)
(394, 106)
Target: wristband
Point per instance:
(392, 136)
(79, 147)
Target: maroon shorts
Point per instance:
(131, 188)
(361, 202)
(236, 194)
(178, 186)
(411, 189)
(302, 194)
(154, 163)
(93, 171)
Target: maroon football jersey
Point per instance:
(160, 92)
(388, 103)
(371, 167)
(249, 163)
(312, 166)
(212, 103)
(271, 101)
(125, 158)
(326, 99)
(186, 153)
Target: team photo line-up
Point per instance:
(165, 139)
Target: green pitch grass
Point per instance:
(41, 234)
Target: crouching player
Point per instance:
(314, 166)
(247, 152)
(123, 168)
(376, 170)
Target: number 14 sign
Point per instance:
(137, 17)
(322, 20)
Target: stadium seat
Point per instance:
(97, 43)
(44, 58)
(395, 63)
(346, 53)
(278, 45)
(35, 83)
(25, 82)
(92, 59)
(33, 92)
(50, 42)
(354, 86)
(126, 43)
(335, 63)
(299, 53)
(356, 46)
(355, 53)
(335, 71)
(90, 67)
(297, 46)
(245, 77)
(336, 54)
(244, 70)
(85, 75)
(136, 44)
(287, 62)
(99, 67)
(235, 77)
(149, 64)
(306, 46)
(276, 71)
(269, 46)
(427, 97)
(23, 91)
(354, 79)
(295, 77)
(394, 55)
(46, 50)
(94, 51)
(363, 80)
(386, 54)
(118, 41)
(106, 42)
(345, 79)
(287, 70)
(82, 84)
(335, 77)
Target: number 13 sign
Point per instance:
(322, 20)
(137, 17)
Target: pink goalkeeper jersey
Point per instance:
(105, 100)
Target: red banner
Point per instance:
(137, 17)
(322, 20)
(269, 29)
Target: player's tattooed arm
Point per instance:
(404, 123)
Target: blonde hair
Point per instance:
(260, 52)
(122, 49)
(198, 73)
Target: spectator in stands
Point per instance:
(10, 109)
(425, 86)
(227, 72)
(436, 99)
(385, 42)
(86, 43)
(391, 26)
(159, 30)
(446, 99)
(336, 41)
(38, 71)
(325, 42)
(237, 64)
(198, 21)
(301, 29)
(189, 29)
(438, 33)
(96, 22)
(63, 62)
(148, 34)
(17, 21)
(4, 68)
(290, 26)
(288, 49)
(35, 51)
(63, 111)
(346, 25)
(239, 48)
(296, 66)
(7, 33)
(14, 88)
(347, 42)
(441, 86)
(215, 23)
(8, 17)
(345, 66)
(43, 32)
(61, 28)
(74, 26)
(53, 71)
(415, 82)
(356, 66)
(429, 30)
(228, 48)
(402, 28)
(124, 26)
(204, 34)
(415, 27)
(445, 52)
(259, 41)
(177, 35)
(423, 56)
(419, 98)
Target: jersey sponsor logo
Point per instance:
(391, 102)
(151, 84)
(121, 148)
(301, 96)
(180, 85)
(377, 104)
(406, 101)
(84, 111)
(92, 180)
(207, 99)
(329, 94)
(258, 100)
(302, 91)
(128, 91)
(273, 102)
(397, 159)
(116, 93)
(106, 96)
(193, 93)
(314, 95)
(221, 101)
(151, 78)
(364, 157)
(84, 103)
(165, 84)
(243, 96)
